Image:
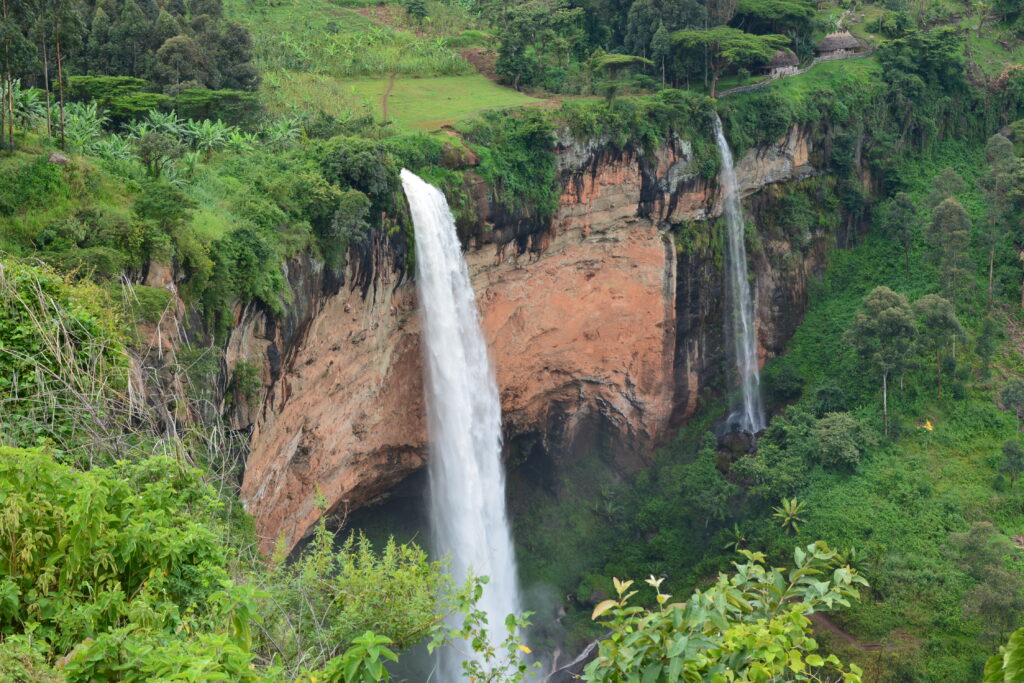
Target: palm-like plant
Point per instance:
(788, 514)
(240, 141)
(29, 106)
(84, 125)
(166, 123)
(282, 132)
(736, 539)
(113, 147)
(208, 136)
(136, 130)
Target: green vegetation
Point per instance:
(214, 151)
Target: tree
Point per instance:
(417, 9)
(946, 184)
(753, 624)
(613, 66)
(899, 220)
(1012, 397)
(181, 59)
(951, 233)
(775, 16)
(883, 334)
(661, 48)
(998, 185)
(937, 329)
(728, 47)
(839, 439)
(985, 347)
(1013, 460)
(68, 31)
(532, 32)
(16, 55)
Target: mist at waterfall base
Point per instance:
(467, 512)
(747, 413)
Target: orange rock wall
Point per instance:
(585, 325)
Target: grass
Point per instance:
(414, 104)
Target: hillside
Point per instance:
(219, 417)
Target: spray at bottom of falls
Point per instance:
(467, 482)
(747, 414)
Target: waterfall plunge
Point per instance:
(747, 413)
(467, 482)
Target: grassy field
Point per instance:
(414, 103)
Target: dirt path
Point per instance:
(824, 623)
(384, 97)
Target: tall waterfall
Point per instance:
(747, 413)
(467, 483)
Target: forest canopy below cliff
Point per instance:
(182, 160)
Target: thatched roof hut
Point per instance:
(838, 42)
(782, 59)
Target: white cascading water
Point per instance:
(467, 481)
(747, 414)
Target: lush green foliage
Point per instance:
(750, 626)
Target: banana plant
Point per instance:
(166, 123)
(208, 136)
(84, 125)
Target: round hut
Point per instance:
(783, 63)
(841, 43)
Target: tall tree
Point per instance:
(729, 47)
(661, 48)
(899, 221)
(948, 183)
(1013, 460)
(998, 185)
(792, 17)
(1012, 397)
(951, 234)
(16, 55)
(938, 328)
(68, 34)
(883, 334)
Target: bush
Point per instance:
(88, 551)
(361, 164)
(35, 184)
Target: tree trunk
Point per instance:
(60, 89)
(46, 85)
(3, 109)
(991, 259)
(10, 108)
(885, 401)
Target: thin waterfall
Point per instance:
(467, 481)
(747, 413)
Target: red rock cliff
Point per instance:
(587, 324)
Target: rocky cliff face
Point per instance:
(609, 321)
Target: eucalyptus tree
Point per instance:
(951, 234)
(938, 329)
(883, 334)
(16, 56)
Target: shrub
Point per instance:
(88, 551)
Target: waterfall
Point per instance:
(467, 483)
(747, 413)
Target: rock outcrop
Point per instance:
(606, 319)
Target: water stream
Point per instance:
(747, 412)
(467, 482)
